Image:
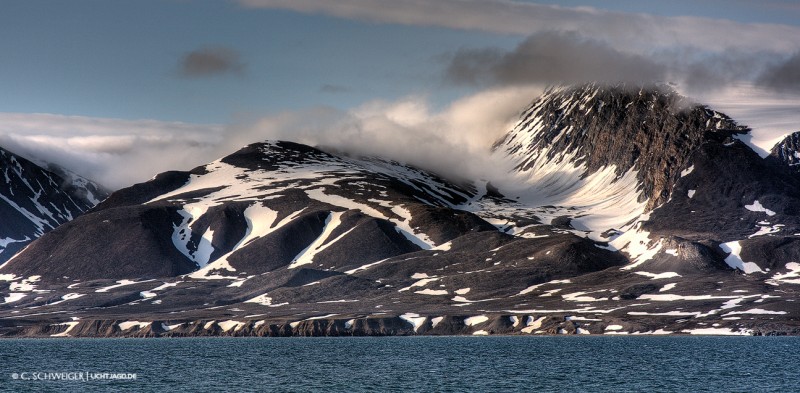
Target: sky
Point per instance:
(119, 91)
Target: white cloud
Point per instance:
(640, 33)
(114, 152)
(117, 153)
(453, 142)
(772, 115)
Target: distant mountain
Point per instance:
(35, 200)
(626, 209)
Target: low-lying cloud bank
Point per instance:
(454, 141)
(114, 152)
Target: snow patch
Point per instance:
(127, 325)
(65, 333)
(263, 300)
(120, 283)
(306, 256)
(792, 277)
(735, 261)
(766, 230)
(667, 287)
(637, 243)
(420, 283)
(230, 325)
(433, 292)
(757, 311)
(365, 267)
(414, 319)
(712, 331)
(476, 320)
(757, 207)
(13, 297)
(659, 276)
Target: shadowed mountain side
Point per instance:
(111, 244)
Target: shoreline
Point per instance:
(404, 326)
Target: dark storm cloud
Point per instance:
(211, 61)
(700, 71)
(552, 58)
(784, 76)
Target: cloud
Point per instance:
(211, 61)
(638, 33)
(772, 115)
(555, 57)
(114, 152)
(117, 153)
(552, 58)
(578, 44)
(784, 76)
(453, 142)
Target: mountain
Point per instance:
(607, 153)
(626, 209)
(35, 200)
(787, 151)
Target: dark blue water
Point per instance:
(431, 364)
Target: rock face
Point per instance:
(35, 200)
(652, 131)
(625, 210)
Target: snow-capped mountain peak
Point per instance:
(604, 155)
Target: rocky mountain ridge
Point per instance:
(626, 211)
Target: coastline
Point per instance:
(490, 325)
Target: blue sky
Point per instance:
(102, 86)
(121, 59)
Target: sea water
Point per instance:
(380, 364)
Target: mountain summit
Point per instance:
(625, 210)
